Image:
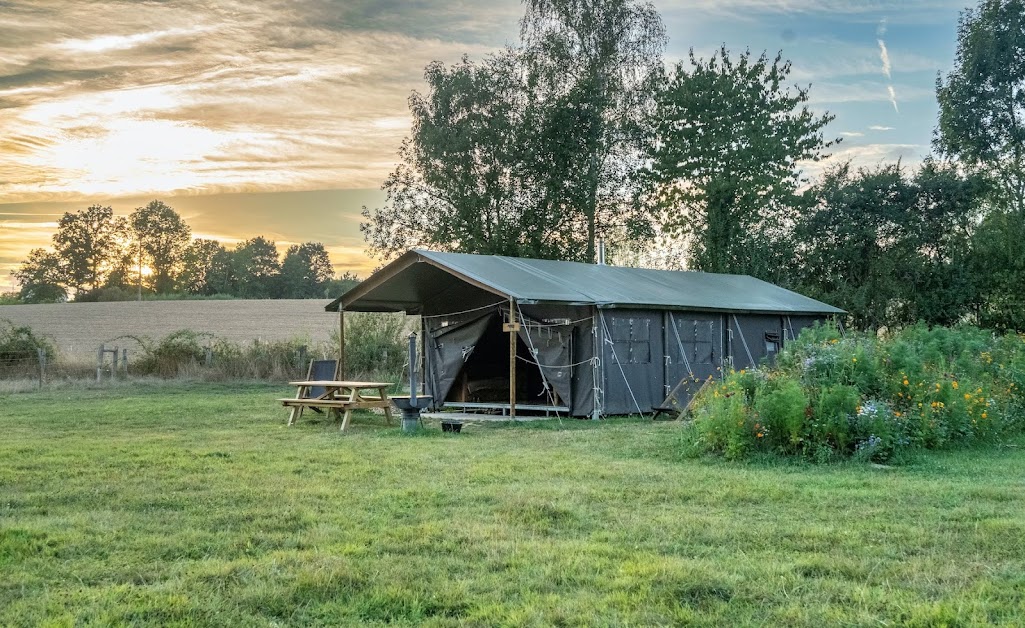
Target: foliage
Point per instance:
(19, 348)
(172, 355)
(88, 244)
(982, 100)
(891, 247)
(98, 256)
(256, 268)
(305, 271)
(199, 270)
(165, 503)
(998, 264)
(726, 138)
(161, 239)
(832, 397)
(40, 277)
(529, 151)
(590, 64)
(337, 287)
(374, 343)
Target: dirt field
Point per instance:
(79, 328)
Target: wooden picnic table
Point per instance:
(338, 396)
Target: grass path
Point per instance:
(194, 505)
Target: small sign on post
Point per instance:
(510, 327)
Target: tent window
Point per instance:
(640, 341)
(771, 342)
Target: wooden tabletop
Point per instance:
(342, 384)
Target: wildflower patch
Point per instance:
(831, 397)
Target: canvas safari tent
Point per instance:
(589, 339)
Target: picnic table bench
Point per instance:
(336, 396)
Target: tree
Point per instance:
(162, 238)
(197, 274)
(222, 276)
(305, 271)
(455, 186)
(256, 268)
(998, 261)
(528, 152)
(345, 282)
(891, 248)
(982, 100)
(89, 244)
(592, 62)
(948, 206)
(41, 277)
(725, 144)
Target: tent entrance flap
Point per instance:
(472, 366)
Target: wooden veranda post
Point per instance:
(512, 327)
(341, 344)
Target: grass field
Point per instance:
(176, 504)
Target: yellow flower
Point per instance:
(954, 384)
(984, 415)
(968, 395)
(896, 414)
(854, 359)
(905, 381)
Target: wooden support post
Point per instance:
(512, 359)
(41, 353)
(341, 345)
(124, 361)
(99, 363)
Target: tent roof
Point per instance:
(417, 276)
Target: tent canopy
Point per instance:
(421, 282)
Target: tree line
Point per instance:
(98, 256)
(580, 132)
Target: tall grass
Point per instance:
(375, 348)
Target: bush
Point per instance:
(861, 396)
(374, 343)
(19, 349)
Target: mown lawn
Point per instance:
(195, 505)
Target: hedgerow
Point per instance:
(831, 396)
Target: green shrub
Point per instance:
(870, 398)
(781, 407)
(374, 343)
(19, 349)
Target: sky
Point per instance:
(283, 117)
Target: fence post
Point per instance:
(209, 355)
(42, 365)
(302, 359)
(124, 360)
(99, 363)
(113, 364)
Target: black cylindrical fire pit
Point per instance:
(411, 405)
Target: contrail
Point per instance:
(884, 56)
(893, 98)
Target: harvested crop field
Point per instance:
(78, 328)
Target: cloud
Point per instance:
(209, 97)
(893, 97)
(879, 127)
(852, 134)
